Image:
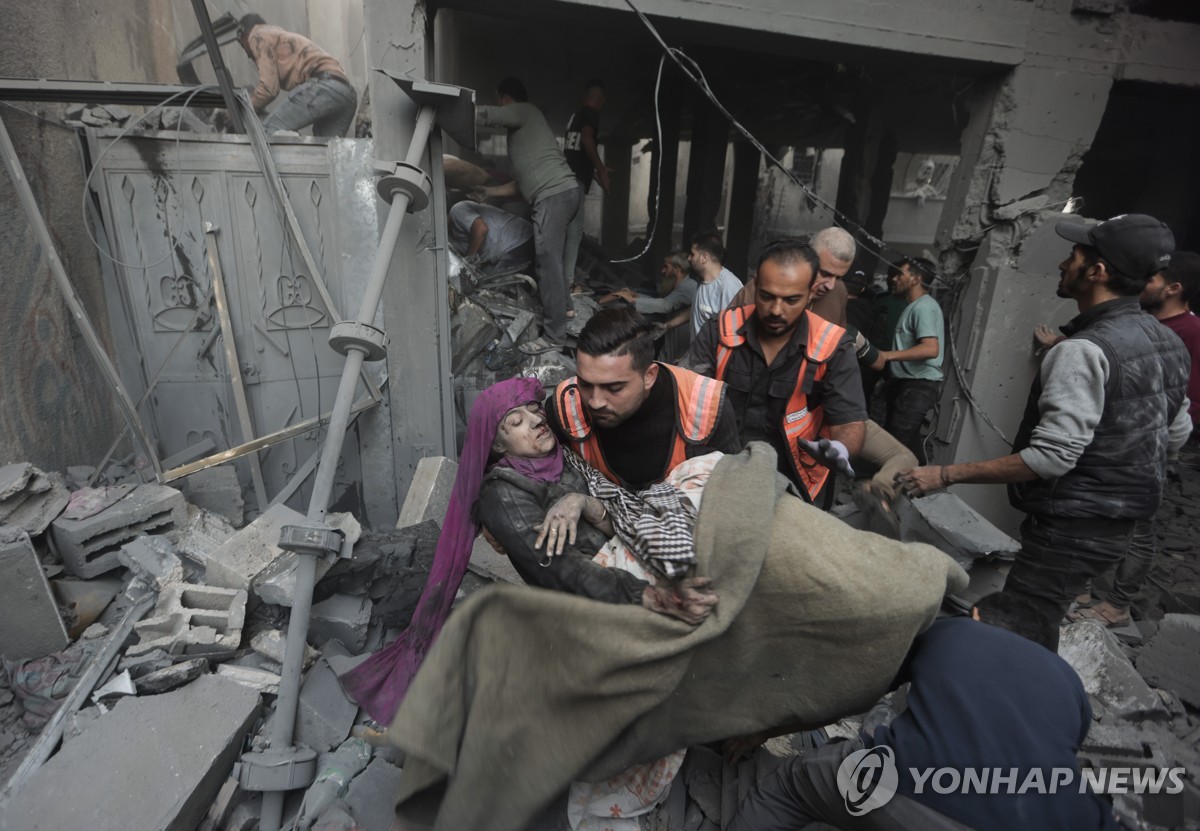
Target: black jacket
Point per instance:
(511, 504)
(1120, 474)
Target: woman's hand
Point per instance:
(560, 524)
(689, 600)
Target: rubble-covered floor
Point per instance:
(215, 637)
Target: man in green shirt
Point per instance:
(915, 359)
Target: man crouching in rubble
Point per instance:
(982, 700)
(1107, 410)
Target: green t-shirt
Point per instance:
(921, 318)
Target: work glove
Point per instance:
(831, 453)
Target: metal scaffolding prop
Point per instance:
(107, 92)
(283, 766)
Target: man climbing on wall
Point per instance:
(318, 90)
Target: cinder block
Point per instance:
(342, 617)
(153, 559)
(30, 625)
(89, 546)
(218, 490)
(429, 493)
(193, 620)
(154, 762)
(372, 795)
(1171, 660)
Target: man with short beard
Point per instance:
(793, 376)
(1108, 408)
(1170, 296)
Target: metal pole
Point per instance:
(231, 361)
(283, 726)
(214, 55)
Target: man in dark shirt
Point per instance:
(775, 359)
(631, 417)
(580, 146)
(981, 699)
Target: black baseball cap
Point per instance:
(1136, 245)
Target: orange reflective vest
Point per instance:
(697, 407)
(799, 422)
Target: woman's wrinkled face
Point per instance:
(525, 433)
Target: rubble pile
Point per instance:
(192, 682)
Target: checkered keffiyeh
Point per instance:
(656, 523)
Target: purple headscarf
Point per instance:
(379, 683)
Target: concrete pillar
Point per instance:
(665, 158)
(706, 168)
(614, 227)
(1020, 150)
(746, 159)
(415, 304)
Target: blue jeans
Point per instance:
(327, 104)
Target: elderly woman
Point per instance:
(552, 513)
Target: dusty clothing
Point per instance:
(759, 393)
(493, 731)
(539, 166)
(1187, 326)
(285, 60)
(508, 239)
(510, 505)
(1107, 410)
(713, 298)
(680, 297)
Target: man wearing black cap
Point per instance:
(1108, 408)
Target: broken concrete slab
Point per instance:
(342, 617)
(89, 546)
(166, 757)
(372, 794)
(489, 563)
(276, 583)
(203, 533)
(153, 559)
(31, 499)
(144, 664)
(193, 620)
(429, 494)
(1106, 673)
(272, 644)
(236, 562)
(1171, 659)
(255, 679)
(324, 715)
(218, 490)
(86, 502)
(946, 522)
(30, 625)
(81, 602)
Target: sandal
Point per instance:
(1103, 613)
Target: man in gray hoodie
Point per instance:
(1107, 410)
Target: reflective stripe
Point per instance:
(698, 403)
(571, 416)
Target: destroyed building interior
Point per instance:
(245, 367)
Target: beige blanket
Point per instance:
(527, 690)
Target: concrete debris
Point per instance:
(372, 793)
(1171, 659)
(179, 118)
(86, 502)
(193, 620)
(551, 368)
(324, 715)
(89, 546)
(1107, 674)
(154, 560)
(489, 563)
(30, 625)
(79, 721)
(272, 644)
(342, 617)
(242, 557)
(471, 330)
(256, 679)
(117, 687)
(29, 498)
(218, 490)
(166, 757)
(402, 564)
(585, 307)
(335, 770)
(169, 678)
(277, 582)
(946, 522)
(141, 665)
(429, 493)
(203, 533)
(81, 602)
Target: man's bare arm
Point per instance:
(851, 435)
